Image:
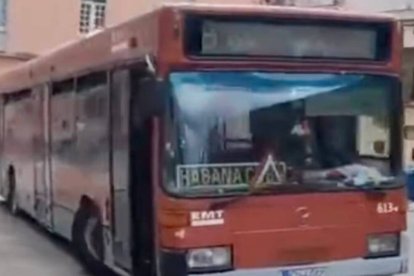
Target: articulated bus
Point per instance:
(216, 140)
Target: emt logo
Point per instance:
(206, 218)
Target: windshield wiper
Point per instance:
(222, 204)
(375, 187)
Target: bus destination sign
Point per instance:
(231, 175)
(287, 39)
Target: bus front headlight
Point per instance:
(383, 245)
(209, 259)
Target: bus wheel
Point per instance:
(87, 236)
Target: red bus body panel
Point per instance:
(268, 231)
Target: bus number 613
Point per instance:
(387, 208)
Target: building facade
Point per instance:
(30, 28)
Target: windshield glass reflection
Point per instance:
(231, 131)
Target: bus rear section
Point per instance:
(275, 161)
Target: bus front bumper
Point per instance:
(352, 267)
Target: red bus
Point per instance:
(216, 140)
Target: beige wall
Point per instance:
(378, 5)
(121, 10)
(37, 25)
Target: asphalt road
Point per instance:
(27, 250)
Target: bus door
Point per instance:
(142, 139)
(41, 159)
(120, 168)
(131, 176)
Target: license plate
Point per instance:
(319, 271)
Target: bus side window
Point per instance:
(63, 119)
(92, 111)
(16, 107)
(18, 142)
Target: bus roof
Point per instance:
(289, 10)
(78, 56)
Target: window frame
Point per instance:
(89, 19)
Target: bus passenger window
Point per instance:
(63, 119)
(92, 98)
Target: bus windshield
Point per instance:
(232, 132)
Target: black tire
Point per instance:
(87, 238)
